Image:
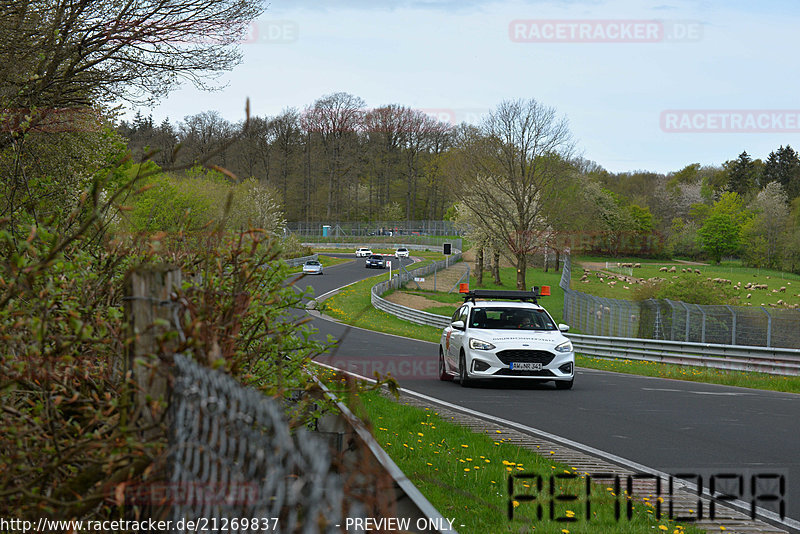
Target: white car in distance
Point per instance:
(506, 334)
(312, 267)
(401, 252)
(363, 252)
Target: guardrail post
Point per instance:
(769, 326)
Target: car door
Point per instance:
(448, 336)
(457, 336)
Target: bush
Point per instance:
(71, 440)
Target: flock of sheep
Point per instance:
(749, 286)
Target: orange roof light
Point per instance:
(463, 287)
(545, 291)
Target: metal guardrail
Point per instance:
(403, 312)
(294, 262)
(777, 361)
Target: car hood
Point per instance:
(531, 339)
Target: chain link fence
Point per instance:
(678, 321)
(373, 228)
(232, 456)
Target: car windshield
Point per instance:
(376, 257)
(510, 319)
(312, 263)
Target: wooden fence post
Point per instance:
(149, 314)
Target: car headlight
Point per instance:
(478, 344)
(565, 347)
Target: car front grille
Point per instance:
(525, 356)
(544, 373)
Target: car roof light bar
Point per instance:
(532, 296)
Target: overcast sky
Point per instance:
(645, 85)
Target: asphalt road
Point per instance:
(669, 425)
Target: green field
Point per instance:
(733, 271)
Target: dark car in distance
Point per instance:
(375, 261)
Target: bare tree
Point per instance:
(63, 53)
(507, 171)
(384, 127)
(336, 119)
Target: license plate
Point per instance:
(526, 366)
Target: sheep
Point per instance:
(683, 270)
(774, 290)
(673, 269)
(637, 265)
(782, 289)
(749, 295)
(625, 287)
(612, 283)
(697, 271)
(780, 302)
(663, 269)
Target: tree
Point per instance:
(336, 120)
(720, 236)
(506, 172)
(783, 166)
(766, 233)
(742, 175)
(63, 53)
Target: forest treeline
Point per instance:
(338, 160)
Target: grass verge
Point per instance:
(465, 475)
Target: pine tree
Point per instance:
(783, 166)
(741, 175)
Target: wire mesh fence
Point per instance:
(233, 456)
(678, 321)
(373, 228)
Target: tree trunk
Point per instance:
(496, 267)
(522, 267)
(479, 267)
(558, 260)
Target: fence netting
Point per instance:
(232, 455)
(678, 321)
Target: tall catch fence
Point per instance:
(373, 228)
(678, 321)
(233, 456)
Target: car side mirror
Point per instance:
(458, 325)
(563, 327)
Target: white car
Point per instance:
(401, 252)
(312, 267)
(505, 334)
(363, 252)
